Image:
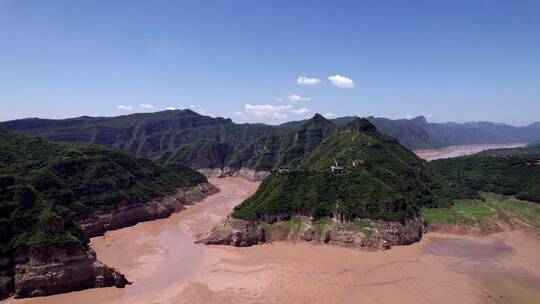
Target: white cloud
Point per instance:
(268, 110)
(124, 107)
(299, 111)
(298, 98)
(308, 81)
(170, 108)
(329, 115)
(271, 111)
(341, 81)
(240, 114)
(146, 106)
(280, 116)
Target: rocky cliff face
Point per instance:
(127, 215)
(249, 174)
(54, 271)
(6, 286)
(367, 234)
(238, 233)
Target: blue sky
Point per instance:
(448, 60)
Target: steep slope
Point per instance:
(143, 134)
(372, 200)
(408, 132)
(284, 148)
(380, 180)
(49, 189)
(200, 154)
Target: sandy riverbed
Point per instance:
(455, 151)
(167, 267)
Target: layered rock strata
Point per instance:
(367, 234)
(249, 174)
(58, 270)
(127, 215)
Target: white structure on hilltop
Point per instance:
(337, 170)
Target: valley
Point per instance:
(223, 152)
(289, 192)
(166, 266)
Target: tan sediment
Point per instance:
(455, 151)
(167, 267)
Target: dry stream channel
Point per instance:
(166, 266)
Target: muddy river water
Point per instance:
(166, 266)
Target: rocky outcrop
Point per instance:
(365, 234)
(374, 234)
(55, 271)
(236, 232)
(249, 174)
(6, 286)
(127, 215)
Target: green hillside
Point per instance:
(202, 141)
(142, 134)
(531, 149)
(46, 187)
(199, 154)
(381, 180)
(284, 148)
(517, 175)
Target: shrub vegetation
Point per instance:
(45, 187)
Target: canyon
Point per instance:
(166, 266)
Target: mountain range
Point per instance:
(61, 183)
(199, 141)
(345, 184)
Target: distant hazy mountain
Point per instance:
(438, 135)
(534, 125)
(418, 133)
(202, 141)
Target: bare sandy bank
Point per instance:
(455, 151)
(167, 267)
